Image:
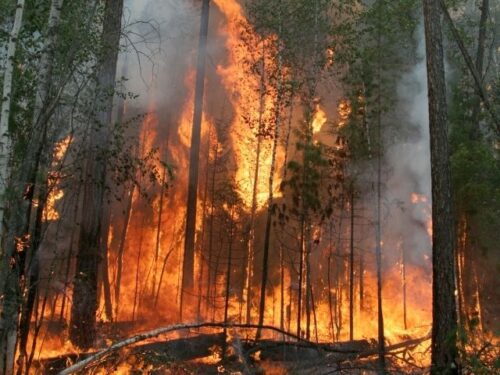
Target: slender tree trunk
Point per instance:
(83, 310)
(302, 253)
(158, 232)
(403, 281)
(270, 200)
(351, 269)
(329, 277)
(12, 280)
(444, 315)
(228, 271)
(211, 230)
(123, 241)
(137, 280)
(5, 138)
(308, 280)
(106, 287)
(31, 288)
(251, 240)
(378, 226)
(203, 227)
(192, 197)
(282, 288)
(485, 11)
(361, 284)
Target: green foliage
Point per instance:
(311, 179)
(374, 62)
(475, 160)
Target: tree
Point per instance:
(444, 315)
(5, 138)
(84, 307)
(194, 158)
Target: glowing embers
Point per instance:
(344, 110)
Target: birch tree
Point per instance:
(5, 138)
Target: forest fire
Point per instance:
(55, 193)
(313, 227)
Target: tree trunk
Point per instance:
(228, 272)
(83, 310)
(378, 218)
(211, 230)
(475, 131)
(351, 270)
(444, 315)
(12, 280)
(158, 232)
(5, 139)
(270, 201)
(6, 350)
(192, 195)
(123, 241)
(403, 281)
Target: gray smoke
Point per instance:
(409, 163)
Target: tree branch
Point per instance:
(472, 68)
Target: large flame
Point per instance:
(254, 105)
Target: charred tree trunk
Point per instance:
(211, 230)
(378, 214)
(403, 282)
(351, 269)
(192, 197)
(444, 315)
(158, 232)
(270, 200)
(308, 280)
(121, 246)
(251, 240)
(228, 271)
(83, 310)
(203, 227)
(106, 287)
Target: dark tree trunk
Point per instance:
(192, 197)
(351, 270)
(378, 229)
(211, 229)
(228, 271)
(444, 315)
(123, 241)
(83, 311)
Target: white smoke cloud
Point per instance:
(409, 163)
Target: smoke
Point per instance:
(408, 193)
(158, 44)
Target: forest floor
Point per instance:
(202, 353)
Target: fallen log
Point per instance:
(340, 353)
(182, 349)
(293, 351)
(95, 357)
